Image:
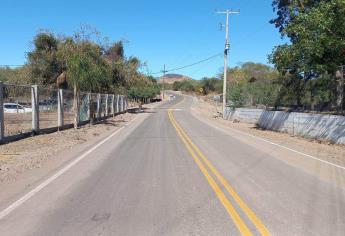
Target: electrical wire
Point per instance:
(189, 65)
(11, 65)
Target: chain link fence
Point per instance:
(84, 100)
(68, 114)
(48, 110)
(27, 110)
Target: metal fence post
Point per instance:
(98, 105)
(106, 105)
(60, 108)
(35, 108)
(2, 119)
(112, 104)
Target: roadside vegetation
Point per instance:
(308, 72)
(82, 62)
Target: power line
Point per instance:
(189, 65)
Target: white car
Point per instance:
(16, 108)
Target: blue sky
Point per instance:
(174, 33)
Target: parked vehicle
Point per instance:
(16, 108)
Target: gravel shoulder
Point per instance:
(325, 151)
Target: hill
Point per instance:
(171, 78)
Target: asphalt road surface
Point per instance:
(172, 173)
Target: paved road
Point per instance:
(170, 173)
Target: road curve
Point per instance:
(170, 173)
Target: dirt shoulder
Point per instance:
(325, 151)
(33, 152)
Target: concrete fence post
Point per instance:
(35, 108)
(60, 108)
(98, 110)
(2, 119)
(117, 103)
(106, 105)
(121, 103)
(112, 104)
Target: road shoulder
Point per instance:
(39, 157)
(318, 159)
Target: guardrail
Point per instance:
(28, 110)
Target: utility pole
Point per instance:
(164, 71)
(227, 47)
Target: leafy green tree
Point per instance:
(236, 95)
(144, 89)
(316, 30)
(251, 84)
(43, 61)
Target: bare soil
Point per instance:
(22, 123)
(33, 152)
(323, 150)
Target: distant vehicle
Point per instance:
(16, 108)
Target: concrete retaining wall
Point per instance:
(315, 126)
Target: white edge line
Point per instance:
(30, 194)
(278, 145)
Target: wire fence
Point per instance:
(84, 100)
(26, 110)
(17, 117)
(48, 104)
(68, 107)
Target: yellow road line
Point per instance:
(180, 102)
(221, 196)
(250, 214)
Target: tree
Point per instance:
(19, 75)
(86, 68)
(43, 61)
(144, 88)
(316, 30)
(252, 84)
(209, 85)
(115, 52)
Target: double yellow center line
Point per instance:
(206, 167)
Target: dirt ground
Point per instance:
(22, 123)
(33, 152)
(322, 150)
